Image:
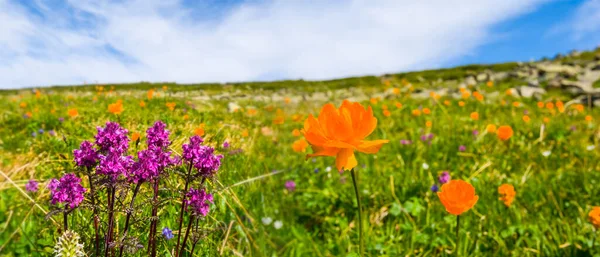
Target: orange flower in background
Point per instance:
(384, 106)
(526, 118)
(135, 136)
(72, 113)
(374, 100)
(579, 107)
(426, 111)
(171, 105)
(416, 112)
(296, 133)
(490, 83)
(540, 105)
(491, 128)
(339, 132)
(588, 118)
(287, 100)
(28, 114)
(428, 124)
(279, 118)
(38, 93)
(116, 108)
(186, 117)
(251, 112)
(475, 116)
(199, 131)
(300, 145)
(560, 104)
(297, 117)
(462, 89)
(507, 194)
(466, 95)
(508, 92)
(396, 91)
(165, 88)
(479, 97)
(23, 104)
(550, 105)
(461, 104)
(53, 111)
(150, 93)
(594, 217)
(504, 132)
(516, 104)
(245, 133)
(269, 108)
(446, 102)
(398, 105)
(457, 196)
(387, 113)
(142, 104)
(546, 120)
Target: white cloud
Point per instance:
(586, 19)
(267, 40)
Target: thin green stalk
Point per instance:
(65, 213)
(360, 225)
(457, 234)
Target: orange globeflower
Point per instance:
(491, 128)
(296, 132)
(579, 107)
(416, 112)
(550, 105)
(339, 132)
(526, 118)
(466, 95)
(186, 117)
(150, 93)
(594, 217)
(490, 83)
(504, 132)
(507, 194)
(23, 104)
(135, 136)
(142, 104)
(516, 104)
(474, 115)
(396, 91)
(171, 105)
(426, 111)
(387, 113)
(457, 196)
(588, 118)
(199, 131)
(374, 100)
(300, 145)
(245, 133)
(428, 124)
(398, 105)
(461, 104)
(116, 108)
(546, 119)
(72, 113)
(540, 104)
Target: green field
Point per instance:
(551, 160)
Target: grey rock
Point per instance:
(470, 80)
(528, 92)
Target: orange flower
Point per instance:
(579, 107)
(396, 91)
(374, 100)
(546, 119)
(164, 88)
(540, 104)
(466, 95)
(588, 118)
(387, 113)
(490, 83)
(426, 111)
(594, 217)
(458, 196)
(116, 108)
(462, 89)
(550, 105)
(475, 116)
(428, 124)
(287, 100)
(398, 105)
(384, 106)
(28, 114)
(269, 108)
(135, 136)
(279, 118)
(526, 118)
(516, 104)
(245, 133)
(171, 105)
(150, 93)
(142, 104)
(416, 112)
(508, 92)
(297, 117)
(251, 111)
(491, 128)
(339, 132)
(446, 102)
(53, 111)
(23, 104)
(504, 132)
(507, 194)
(38, 93)
(72, 113)
(560, 104)
(479, 98)
(186, 117)
(461, 104)
(199, 131)
(296, 132)
(300, 145)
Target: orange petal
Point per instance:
(323, 151)
(371, 147)
(338, 144)
(345, 159)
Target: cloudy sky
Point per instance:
(56, 42)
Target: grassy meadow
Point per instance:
(551, 160)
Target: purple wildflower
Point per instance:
(430, 136)
(158, 136)
(434, 188)
(573, 128)
(68, 190)
(444, 177)
(462, 148)
(41, 131)
(167, 233)
(316, 170)
(61, 119)
(475, 132)
(32, 186)
(112, 139)
(53, 184)
(114, 165)
(290, 185)
(526, 112)
(405, 142)
(146, 168)
(33, 134)
(201, 157)
(52, 132)
(86, 155)
(424, 138)
(198, 202)
(225, 144)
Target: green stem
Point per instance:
(457, 234)
(594, 240)
(360, 228)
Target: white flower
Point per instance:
(68, 245)
(267, 220)
(425, 166)
(278, 224)
(590, 147)
(546, 153)
(328, 169)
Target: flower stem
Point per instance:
(187, 232)
(594, 240)
(65, 213)
(457, 235)
(129, 213)
(360, 226)
(109, 231)
(154, 222)
(187, 180)
(96, 219)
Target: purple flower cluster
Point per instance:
(86, 155)
(158, 136)
(31, 186)
(67, 190)
(462, 148)
(405, 142)
(155, 159)
(290, 185)
(198, 202)
(427, 138)
(114, 165)
(202, 157)
(444, 177)
(112, 139)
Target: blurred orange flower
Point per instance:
(279, 117)
(504, 132)
(475, 116)
(507, 194)
(142, 104)
(466, 95)
(300, 145)
(199, 131)
(384, 106)
(245, 133)
(491, 128)
(23, 104)
(461, 103)
(457, 196)
(540, 104)
(186, 117)
(526, 118)
(374, 100)
(72, 113)
(251, 111)
(287, 100)
(446, 102)
(426, 111)
(428, 124)
(546, 119)
(588, 118)
(416, 112)
(490, 83)
(339, 132)
(550, 105)
(135, 136)
(150, 93)
(387, 113)
(396, 91)
(516, 104)
(398, 105)
(164, 88)
(116, 108)
(594, 217)
(579, 107)
(171, 105)
(297, 117)
(296, 133)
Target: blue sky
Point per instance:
(59, 42)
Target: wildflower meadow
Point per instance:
(397, 165)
